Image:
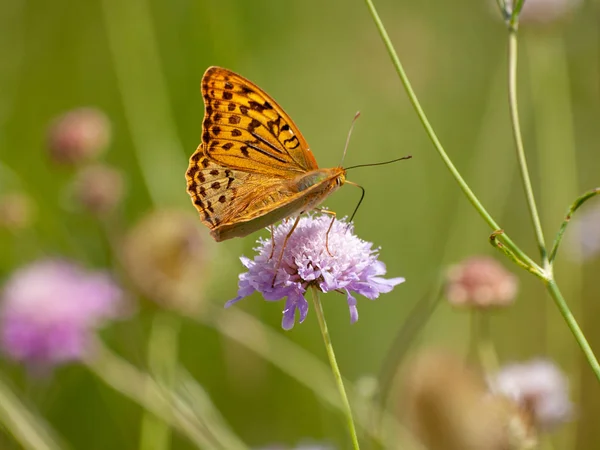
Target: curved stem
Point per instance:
(436, 143)
(556, 295)
(514, 114)
(334, 366)
(563, 227)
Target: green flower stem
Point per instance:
(163, 350)
(486, 349)
(302, 366)
(509, 247)
(551, 285)
(334, 366)
(434, 139)
(556, 295)
(563, 227)
(27, 428)
(514, 114)
(144, 390)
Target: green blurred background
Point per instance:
(141, 61)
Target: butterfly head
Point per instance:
(340, 179)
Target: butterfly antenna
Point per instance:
(362, 196)
(379, 163)
(356, 116)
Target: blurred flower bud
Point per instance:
(480, 282)
(98, 188)
(16, 211)
(543, 12)
(50, 310)
(582, 239)
(79, 135)
(539, 388)
(448, 407)
(165, 256)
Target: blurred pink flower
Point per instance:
(98, 188)
(79, 135)
(50, 308)
(480, 282)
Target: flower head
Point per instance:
(352, 266)
(480, 282)
(448, 406)
(539, 388)
(98, 188)
(49, 309)
(78, 135)
(167, 270)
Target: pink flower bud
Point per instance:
(79, 135)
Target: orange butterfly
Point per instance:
(253, 167)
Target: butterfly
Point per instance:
(253, 167)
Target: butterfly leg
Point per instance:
(283, 249)
(272, 241)
(331, 213)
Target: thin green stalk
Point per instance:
(563, 227)
(556, 295)
(297, 362)
(434, 139)
(27, 428)
(514, 114)
(141, 388)
(334, 366)
(163, 350)
(548, 69)
(550, 282)
(486, 350)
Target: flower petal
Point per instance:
(234, 300)
(352, 306)
(384, 285)
(295, 301)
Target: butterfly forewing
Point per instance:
(245, 128)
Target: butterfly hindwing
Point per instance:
(244, 128)
(225, 195)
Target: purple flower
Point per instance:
(354, 267)
(50, 308)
